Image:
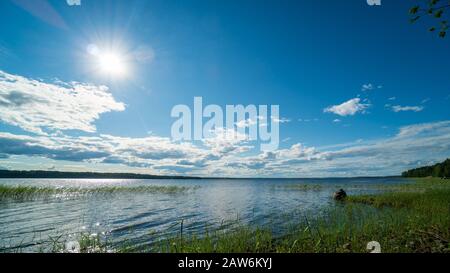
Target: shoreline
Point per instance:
(40, 174)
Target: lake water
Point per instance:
(137, 217)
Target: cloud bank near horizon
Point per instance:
(49, 112)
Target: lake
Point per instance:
(142, 217)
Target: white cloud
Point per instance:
(399, 108)
(226, 141)
(280, 120)
(413, 144)
(158, 155)
(413, 130)
(145, 151)
(36, 106)
(348, 108)
(73, 2)
(246, 123)
(367, 87)
(296, 151)
(370, 86)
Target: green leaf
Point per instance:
(432, 29)
(442, 34)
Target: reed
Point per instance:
(33, 192)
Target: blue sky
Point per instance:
(364, 91)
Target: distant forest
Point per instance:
(86, 175)
(437, 170)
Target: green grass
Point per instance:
(33, 192)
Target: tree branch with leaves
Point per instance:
(434, 9)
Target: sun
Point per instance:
(111, 63)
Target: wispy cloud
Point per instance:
(348, 108)
(370, 86)
(307, 119)
(416, 129)
(399, 108)
(280, 120)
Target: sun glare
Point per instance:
(108, 62)
(111, 63)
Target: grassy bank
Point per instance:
(408, 218)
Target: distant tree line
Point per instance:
(437, 170)
(83, 175)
